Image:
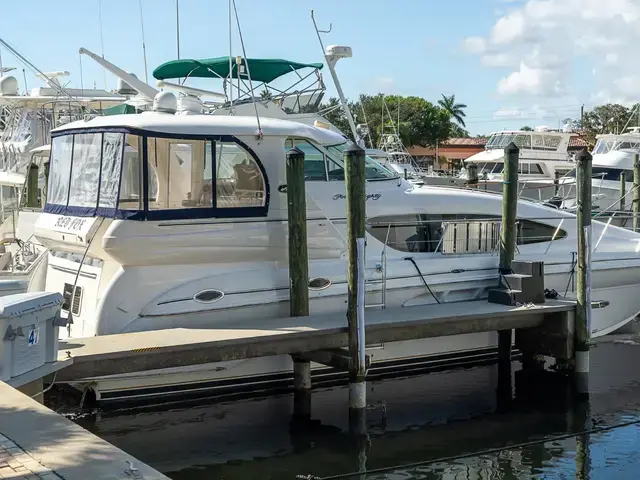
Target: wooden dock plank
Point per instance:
(140, 351)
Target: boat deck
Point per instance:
(141, 351)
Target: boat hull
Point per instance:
(615, 288)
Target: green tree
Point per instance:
(609, 118)
(526, 128)
(455, 110)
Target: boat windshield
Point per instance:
(105, 174)
(534, 140)
(373, 169)
(608, 145)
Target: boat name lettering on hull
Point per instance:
(70, 223)
(371, 196)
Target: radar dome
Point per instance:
(123, 88)
(165, 102)
(8, 86)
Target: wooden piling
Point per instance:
(508, 242)
(583, 310)
(32, 186)
(556, 183)
(636, 193)
(298, 256)
(472, 175)
(623, 191)
(354, 161)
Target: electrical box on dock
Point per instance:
(29, 325)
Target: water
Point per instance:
(449, 425)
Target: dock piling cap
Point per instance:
(354, 150)
(295, 152)
(512, 147)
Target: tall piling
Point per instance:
(623, 191)
(508, 242)
(583, 311)
(472, 175)
(32, 186)
(636, 193)
(354, 161)
(298, 264)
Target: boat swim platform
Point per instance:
(548, 325)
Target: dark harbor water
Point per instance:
(446, 425)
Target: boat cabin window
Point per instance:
(322, 166)
(451, 233)
(605, 146)
(103, 173)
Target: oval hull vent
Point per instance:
(319, 283)
(208, 296)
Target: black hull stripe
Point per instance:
(263, 385)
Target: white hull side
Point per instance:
(623, 306)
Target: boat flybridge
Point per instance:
(158, 220)
(544, 157)
(613, 156)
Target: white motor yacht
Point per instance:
(613, 156)
(158, 220)
(544, 158)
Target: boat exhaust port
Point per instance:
(208, 296)
(319, 283)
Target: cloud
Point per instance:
(546, 42)
(531, 81)
(474, 44)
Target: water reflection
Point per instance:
(449, 425)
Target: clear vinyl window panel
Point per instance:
(60, 170)
(85, 170)
(179, 174)
(111, 164)
(239, 180)
(130, 193)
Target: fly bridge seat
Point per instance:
(524, 285)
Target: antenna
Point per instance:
(231, 66)
(178, 27)
(331, 55)
(104, 71)
(144, 47)
(244, 53)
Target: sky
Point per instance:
(512, 62)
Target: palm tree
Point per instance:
(455, 110)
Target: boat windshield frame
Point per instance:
(335, 153)
(143, 212)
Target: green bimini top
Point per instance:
(262, 69)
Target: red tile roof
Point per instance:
(578, 142)
(472, 142)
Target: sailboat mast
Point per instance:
(231, 64)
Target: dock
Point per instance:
(306, 336)
(37, 443)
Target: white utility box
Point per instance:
(29, 324)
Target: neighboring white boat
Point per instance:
(158, 220)
(544, 157)
(613, 156)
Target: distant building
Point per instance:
(454, 151)
(451, 153)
